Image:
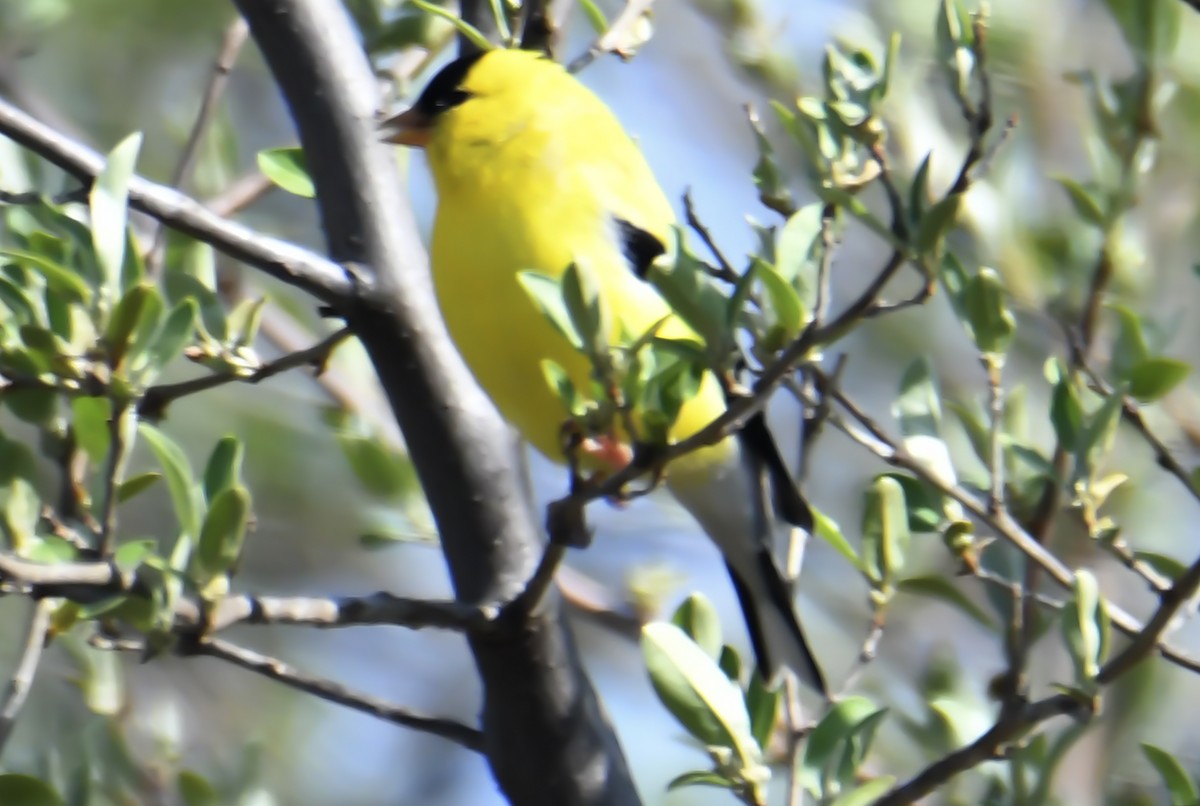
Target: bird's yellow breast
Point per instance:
(532, 197)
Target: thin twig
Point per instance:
(275, 669)
(21, 681)
(612, 40)
(725, 270)
(231, 46)
(156, 399)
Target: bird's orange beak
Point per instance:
(409, 128)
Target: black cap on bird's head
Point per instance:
(412, 126)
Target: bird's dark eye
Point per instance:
(450, 100)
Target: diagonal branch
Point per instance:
(279, 259)
(22, 677)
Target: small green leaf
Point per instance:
(381, 470)
(1175, 777)
(695, 690)
(109, 202)
(763, 705)
(826, 742)
(89, 422)
(1066, 414)
(885, 529)
(176, 332)
(546, 293)
(558, 380)
(124, 320)
(991, 323)
(698, 619)
(1130, 348)
(784, 305)
(1169, 567)
(287, 168)
(136, 485)
(828, 530)
(936, 224)
(195, 790)
(25, 790)
(224, 530)
(1086, 205)
(129, 555)
(224, 467)
(923, 504)
(1085, 627)
(581, 298)
(701, 778)
(58, 278)
(178, 473)
(1153, 378)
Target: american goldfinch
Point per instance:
(533, 172)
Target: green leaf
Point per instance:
(178, 473)
(936, 224)
(109, 203)
(763, 705)
(827, 741)
(923, 504)
(137, 485)
(89, 422)
(783, 303)
(380, 470)
(919, 411)
(828, 530)
(287, 168)
(195, 790)
(701, 778)
(25, 790)
(1085, 627)
(942, 589)
(224, 467)
(1086, 205)
(546, 293)
(176, 332)
(1152, 378)
(1175, 777)
(58, 278)
(581, 298)
(129, 555)
(1130, 347)
(695, 690)
(124, 320)
(558, 380)
(991, 323)
(885, 529)
(1169, 567)
(698, 619)
(224, 530)
(1066, 413)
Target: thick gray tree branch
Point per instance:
(545, 734)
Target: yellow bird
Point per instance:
(534, 172)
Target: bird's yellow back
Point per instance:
(532, 174)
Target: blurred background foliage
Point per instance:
(103, 68)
